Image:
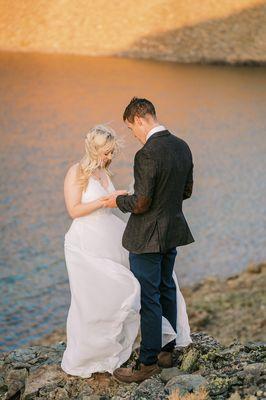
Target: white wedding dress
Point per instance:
(103, 320)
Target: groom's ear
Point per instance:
(137, 120)
(128, 123)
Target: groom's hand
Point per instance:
(110, 200)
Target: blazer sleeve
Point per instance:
(145, 179)
(189, 183)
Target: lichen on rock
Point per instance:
(236, 372)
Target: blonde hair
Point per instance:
(100, 138)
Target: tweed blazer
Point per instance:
(163, 172)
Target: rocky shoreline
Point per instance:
(204, 370)
(207, 369)
(227, 309)
(232, 308)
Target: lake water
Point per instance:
(48, 102)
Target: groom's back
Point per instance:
(174, 161)
(163, 225)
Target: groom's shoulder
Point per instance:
(144, 152)
(169, 139)
(177, 139)
(179, 142)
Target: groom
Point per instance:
(163, 172)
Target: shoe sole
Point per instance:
(120, 381)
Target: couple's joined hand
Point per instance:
(109, 200)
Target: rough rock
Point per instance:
(150, 389)
(169, 373)
(15, 380)
(45, 379)
(190, 360)
(225, 371)
(186, 384)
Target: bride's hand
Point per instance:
(119, 192)
(113, 194)
(110, 199)
(103, 201)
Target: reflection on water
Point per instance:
(48, 103)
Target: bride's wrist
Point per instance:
(99, 203)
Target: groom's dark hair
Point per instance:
(139, 107)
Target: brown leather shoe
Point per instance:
(165, 359)
(136, 374)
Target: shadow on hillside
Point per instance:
(237, 39)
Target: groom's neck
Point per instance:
(150, 127)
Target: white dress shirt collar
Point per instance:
(156, 129)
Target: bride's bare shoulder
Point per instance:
(72, 173)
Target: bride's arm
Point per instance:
(73, 193)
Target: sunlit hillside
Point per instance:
(178, 30)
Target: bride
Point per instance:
(103, 320)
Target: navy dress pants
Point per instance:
(158, 298)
